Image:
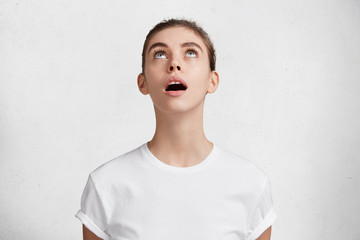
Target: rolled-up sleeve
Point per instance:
(263, 213)
(92, 213)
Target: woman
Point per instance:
(179, 185)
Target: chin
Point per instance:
(178, 108)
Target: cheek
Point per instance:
(200, 69)
(153, 69)
(201, 80)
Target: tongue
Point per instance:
(175, 87)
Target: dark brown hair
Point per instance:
(181, 23)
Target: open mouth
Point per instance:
(175, 86)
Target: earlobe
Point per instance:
(214, 82)
(142, 84)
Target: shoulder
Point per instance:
(119, 167)
(245, 171)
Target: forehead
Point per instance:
(176, 36)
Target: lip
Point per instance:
(174, 93)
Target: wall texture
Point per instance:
(288, 100)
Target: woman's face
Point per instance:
(175, 55)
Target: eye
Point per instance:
(159, 54)
(191, 53)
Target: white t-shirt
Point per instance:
(137, 196)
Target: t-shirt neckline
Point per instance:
(210, 158)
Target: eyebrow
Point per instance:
(186, 44)
(191, 44)
(157, 44)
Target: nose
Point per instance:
(172, 67)
(175, 63)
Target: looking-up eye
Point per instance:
(191, 53)
(159, 54)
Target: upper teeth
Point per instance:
(174, 82)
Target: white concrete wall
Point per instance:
(289, 100)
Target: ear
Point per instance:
(142, 85)
(214, 82)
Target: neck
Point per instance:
(179, 138)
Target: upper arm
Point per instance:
(265, 235)
(88, 235)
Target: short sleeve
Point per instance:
(263, 214)
(92, 213)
